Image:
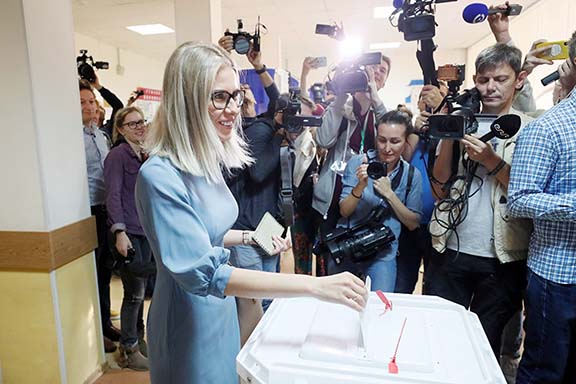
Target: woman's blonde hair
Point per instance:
(182, 129)
(119, 118)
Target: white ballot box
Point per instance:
(306, 341)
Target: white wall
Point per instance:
(139, 70)
(548, 19)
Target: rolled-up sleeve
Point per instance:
(178, 237)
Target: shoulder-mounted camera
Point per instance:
(86, 65)
(290, 106)
(353, 77)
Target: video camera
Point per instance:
(85, 66)
(242, 38)
(416, 18)
(318, 91)
(353, 77)
(360, 242)
(459, 121)
(290, 107)
(453, 75)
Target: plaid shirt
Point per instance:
(543, 188)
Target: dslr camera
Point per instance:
(290, 106)
(359, 243)
(353, 77)
(460, 121)
(242, 38)
(86, 65)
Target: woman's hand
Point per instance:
(362, 176)
(343, 288)
(226, 42)
(383, 186)
(280, 244)
(123, 243)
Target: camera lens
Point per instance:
(376, 170)
(241, 45)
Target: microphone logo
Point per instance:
(479, 18)
(501, 133)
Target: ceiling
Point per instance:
(290, 21)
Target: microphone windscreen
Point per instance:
(506, 126)
(398, 3)
(475, 13)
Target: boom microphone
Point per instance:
(504, 127)
(550, 78)
(478, 12)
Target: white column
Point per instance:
(198, 20)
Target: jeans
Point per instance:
(382, 271)
(488, 288)
(104, 263)
(550, 344)
(131, 313)
(413, 248)
(254, 258)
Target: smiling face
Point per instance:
(225, 119)
(390, 143)
(497, 86)
(133, 128)
(88, 106)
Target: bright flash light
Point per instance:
(350, 47)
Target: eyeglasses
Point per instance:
(134, 124)
(221, 99)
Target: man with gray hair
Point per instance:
(482, 263)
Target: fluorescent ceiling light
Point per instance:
(383, 12)
(375, 46)
(150, 29)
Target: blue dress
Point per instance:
(193, 333)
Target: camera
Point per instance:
(242, 38)
(453, 75)
(416, 18)
(318, 93)
(377, 169)
(359, 243)
(289, 105)
(460, 121)
(333, 31)
(86, 65)
(353, 77)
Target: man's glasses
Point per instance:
(135, 124)
(221, 99)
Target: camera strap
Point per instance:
(286, 193)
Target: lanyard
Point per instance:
(364, 128)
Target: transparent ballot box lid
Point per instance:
(430, 340)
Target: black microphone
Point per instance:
(550, 78)
(504, 127)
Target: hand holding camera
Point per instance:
(383, 186)
(362, 176)
(533, 57)
(123, 243)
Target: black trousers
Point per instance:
(488, 288)
(104, 263)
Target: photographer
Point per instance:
(348, 127)
(399, 191)
(255, 58)
(112, 100)
(482, 265)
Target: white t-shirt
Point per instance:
(476, 232)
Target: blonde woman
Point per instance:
(186, 211)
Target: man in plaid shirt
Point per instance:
(543, 188)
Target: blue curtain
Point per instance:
(250, 77)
